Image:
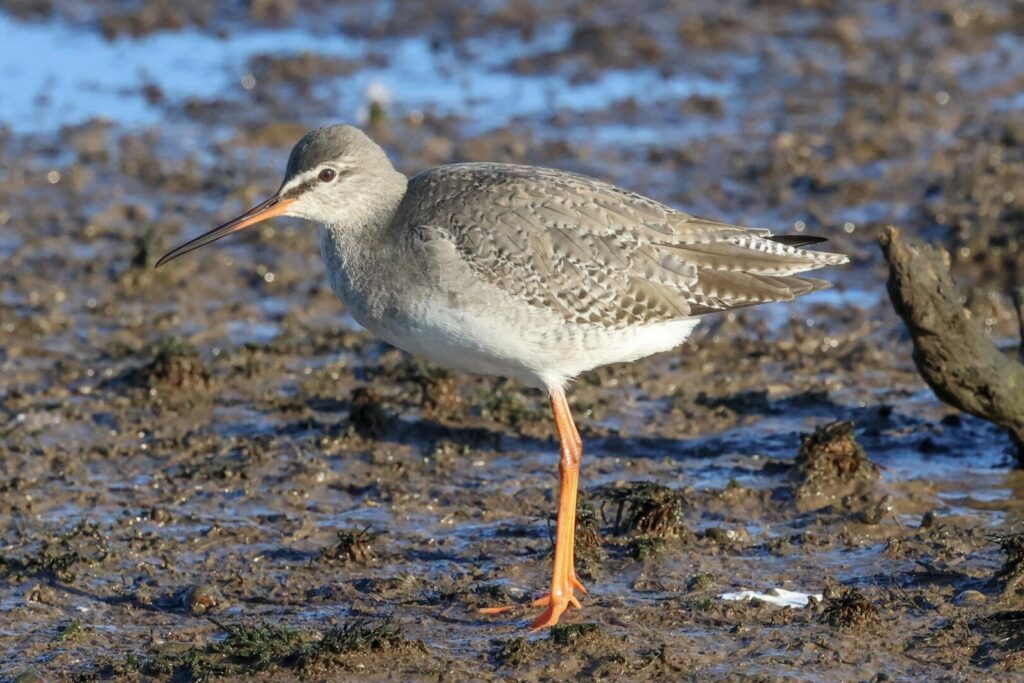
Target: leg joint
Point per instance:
(571, 455)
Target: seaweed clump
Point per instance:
(355, 636)
(1011, 574)
(588, 536)
(76, 629)
(176, 364)
(646, 547)
(251, 649)
(570, 634)
(354, 545)
(849, 610)
(647, 508)
(1003, 637)
(830, 460)
(367, 414)
(59, 556)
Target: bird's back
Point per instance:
(596, 254)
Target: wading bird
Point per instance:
(522, 272)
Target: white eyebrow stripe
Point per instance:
(307, 177)
(300, 179)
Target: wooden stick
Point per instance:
(952, 352)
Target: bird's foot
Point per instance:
(556, 603)
(555, 608)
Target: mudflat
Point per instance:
(210, 471)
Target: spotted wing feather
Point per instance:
(598, 254)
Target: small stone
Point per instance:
(159, 516)
(726, 537)
(42, 594)
(970, 597)
(201, 598)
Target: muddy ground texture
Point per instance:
(209, 471)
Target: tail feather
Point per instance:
(718, 267)
(754, 269)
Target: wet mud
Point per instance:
(209, 471)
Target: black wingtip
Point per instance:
(798, 240)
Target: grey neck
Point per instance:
(361, 251)
(362, 228)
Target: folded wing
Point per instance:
(598, 254)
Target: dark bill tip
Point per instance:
(275, 206)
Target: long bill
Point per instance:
(275, 206)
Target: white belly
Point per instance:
(467, 324)
(539, 349)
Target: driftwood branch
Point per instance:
(952, 352)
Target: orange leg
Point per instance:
(563, 576)
(578, 442)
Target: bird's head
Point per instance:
(336, 175)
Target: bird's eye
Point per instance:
(327, 175)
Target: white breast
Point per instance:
(535, 347)
(467, 324)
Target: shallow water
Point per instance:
(85, 75)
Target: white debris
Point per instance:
(775, 596)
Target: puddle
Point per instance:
(84, 75)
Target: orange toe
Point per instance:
(550, 616)
(496, 610)
(575, 583)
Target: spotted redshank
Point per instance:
(522, 272)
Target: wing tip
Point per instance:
(822, 258)
(797, 240)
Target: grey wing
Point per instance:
(598, 254)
